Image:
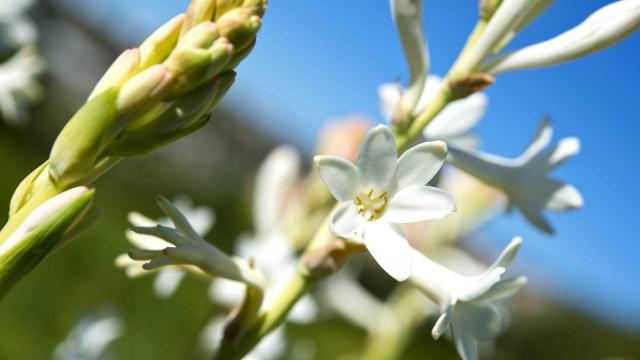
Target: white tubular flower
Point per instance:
(407, 15)
(168, 279)
(468, 303)
(383, 191)
(188, 248)
(602, 29)
(18, 77)
(525, 179)
(453, 124)
(90, 339)
(268, 246)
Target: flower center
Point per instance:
(371, 205)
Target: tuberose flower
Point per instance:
(384, 190)
(468, 303)
(188, 248)
(90, 338)
(167, 279)
(525, 179)
(18, 77)
(452, 125)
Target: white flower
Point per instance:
(603, 28)
(382, 191)
(167, 279)
(268, 245)
(407, 16)
(90, 339)
(468, 303)
(188, 248)
(271, 347)
(16, 32)
(18, 77)
(525, 179)
(452, 125)
(11, 8)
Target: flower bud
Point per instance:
(40, 232)
(185, 116)
(23, 192)
(198, 11)
(239, 26)
(144, 89)
(159, 45)
(122, 69)
(200, 37)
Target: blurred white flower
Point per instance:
(167, 279)
(18, 84)
(271, 347)
(16, 32)
(188, 248)
(453, 124)
(468, 303)
(90, 339)
(383, 191)
(268, 246)
(603, 28)
(525, 179)
(11, 8)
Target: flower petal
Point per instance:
(390, 250)
(458, 118)
(539, 142)
(346, 223)
(503, 290)
(167, 281)
(508, 254)
(485, 321)
(443, 323)
(565, 198)
(377, 159)
(417, 203)
(389, 99)
(418, 165)
(339, 175)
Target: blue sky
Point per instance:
(317, 60)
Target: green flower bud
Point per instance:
(239, 26)
(157, 47)
(39, 233)
(144, 89)
(83, 139)
(198, 11)
(186, 115)
(239, 55)
(122, 69)
(22, 193)
(200, 37)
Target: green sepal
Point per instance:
(22, 193)
(83, 139)
(22, 257)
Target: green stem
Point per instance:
(232, 349)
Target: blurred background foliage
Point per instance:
(214, 167)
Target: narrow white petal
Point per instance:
(485, 321)
(377, 158)
(346, 222)
(431, 87)
(535, 217)
(418, 165)
(339, 175)
(566, 148)
(508, 254)
(417, 203)
(503, 290)
(167, 281)
(443, 323)
(390, 250)
(565, 198)
(465, 343)
(277, 173)
(458, 118)
(389, 99)
(540, 140)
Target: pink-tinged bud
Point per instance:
(343, 137)
(239, 26)
(144, 89)
(200, 37)
(159, 45)
(122, 69)
(199, 11)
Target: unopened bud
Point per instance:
(239, 26)
(24, 190)
(144, 89)
(488, 8)
(198, 11)
(201, 36)
(330, 257)
(122, 69)
(159, 45)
